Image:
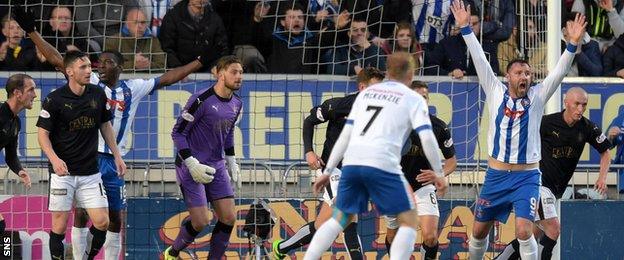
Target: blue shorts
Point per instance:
(390, 192)
(503, 191)
(114, 186)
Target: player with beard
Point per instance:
(512, 180)
(123, 99)
(564, 135)
(20, 90)
(204, 138)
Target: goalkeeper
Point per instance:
(204, 138)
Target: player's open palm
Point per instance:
(121, 167)
(59, 166)
(461, 13)
(576, 29)
(441, 186)
(320, 183)
(25, 178)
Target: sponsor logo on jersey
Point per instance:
(448, 143)
(601, 138)
(44, 114)
(187, 116)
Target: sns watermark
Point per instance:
(6, 246)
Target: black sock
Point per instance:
(388, 245)
(548, 244)
(95, 240)
(57, 250)
(2, 227)
(430, 252)
(188, 225)
(301, 238)
(352, 241)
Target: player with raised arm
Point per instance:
(564, 135)
(334, 111)
(371, 143)
(204, 138)
(20, 90)
(420, 176)
(69, 122)
(123, 99)
(512, 179)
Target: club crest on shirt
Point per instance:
(187, 116)
(525, 102)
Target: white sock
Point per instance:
(477, 247)
(112, 246)
(323, 238)
(528, 248)
(79, 242)
(403, 243)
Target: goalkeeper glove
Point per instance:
(201, 173)
(25, 18)
(233, 170)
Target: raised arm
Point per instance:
(616, 21)
(576, 30)
(486, 75)
(179, 73)
(26, 20)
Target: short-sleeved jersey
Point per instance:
(74, 123)
(10, 126)
(383, 115)
(514, 123)
(123, 101)
(206, 126)
(562, 146)
(432, 19)
(334, 111)
(415, 160)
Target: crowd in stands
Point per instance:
(338, 37)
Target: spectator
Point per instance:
(59, 31)
(615, 134)
(16, 54)
(499, 18)
(508, 50)
(608, 14)
(190, 27)
(98, 19)
(404, 41)
(588, 59)
(450, 56)
(320, 13)
(155, 11)
(242, 20)
(432, 20)
(613, 60)
(141, 51)
(536, 52)
(358, 53)
(293, 48)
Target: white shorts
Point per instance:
(87, 191)
(329, 195)
(547, 207)
(426, 205)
